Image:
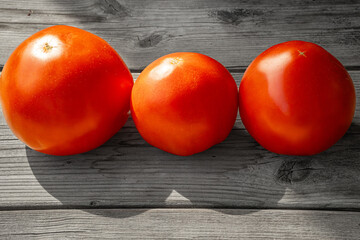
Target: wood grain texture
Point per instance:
(233, 32)
(179, 224)
(38, 192)
(128, 172)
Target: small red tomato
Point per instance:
(184, 103)
(296, 99)
(65, 91)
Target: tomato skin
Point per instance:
(184, 103)
(296, 99)
(65, 91)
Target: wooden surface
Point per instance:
(233, 32)
(245, 185)
(179, 224)
(128, 172)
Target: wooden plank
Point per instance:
(233, 32)
(127, 172)
(179, 224)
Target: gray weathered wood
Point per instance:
(127, 172)
(38, 192)
(233, 32)
(179, 224)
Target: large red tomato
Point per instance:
(65, 91)
(184, 103)
(296, 99)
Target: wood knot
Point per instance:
(113, 7)
(94, 203)
(150, 41)
(293, 171)
(234, 16)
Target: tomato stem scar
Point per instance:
(302, 53)
(47, 47)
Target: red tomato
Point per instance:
(296, 99)
(184, 103)
(65, 91)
